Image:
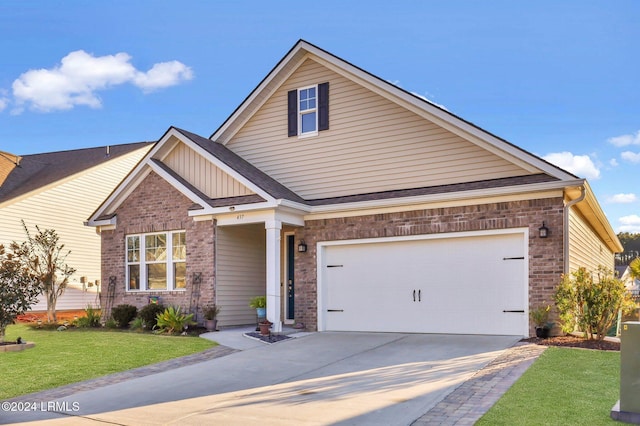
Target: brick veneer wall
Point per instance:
(545, 255)
(156, 206)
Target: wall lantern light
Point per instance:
(302, 247)
(543, 231)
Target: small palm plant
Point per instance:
(172, 321)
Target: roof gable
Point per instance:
(373, 144)
(242, 183)
(303, 50)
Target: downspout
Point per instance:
(566, 227)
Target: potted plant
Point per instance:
(265, 326)
(540, 317)
(210, 317)
(259, 303)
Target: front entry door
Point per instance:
(290, 280)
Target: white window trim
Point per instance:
(142, 262)
(307, 111)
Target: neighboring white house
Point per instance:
(59, 190)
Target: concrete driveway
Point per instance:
(321, 378)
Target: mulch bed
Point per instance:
(270, 338)
(576, 342)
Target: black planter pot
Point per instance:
(542, 332)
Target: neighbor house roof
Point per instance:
(37, 171)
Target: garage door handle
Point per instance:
(335, 310)
(414, 295)
(419, 295)
(517, 312)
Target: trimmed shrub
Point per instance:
(149, 315)
(124, 314)
(589, 303)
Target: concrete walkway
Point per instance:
(321, 378)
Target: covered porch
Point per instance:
(254, 256)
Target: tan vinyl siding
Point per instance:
(372, 144)
(585, 247)
(203, 175)
(65, 208)
(241, 272)
(7, 164)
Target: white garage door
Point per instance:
(468, 285)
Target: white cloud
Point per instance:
(423, 97)
(613, 162)
(629, 223)
(632, 157)
(81, 75)
(579, 165)
(164, 74)
(623, 198)
(625, 140)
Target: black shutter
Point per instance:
(292, 112)
(323, 106)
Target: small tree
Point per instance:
(19, 289)
(589, 305)
(634, 268)
(46, 259)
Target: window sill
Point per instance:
(307, 135)
(177, 290)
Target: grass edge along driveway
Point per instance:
(63, 357)
(563, 387)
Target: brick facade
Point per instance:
(545, 255)
(156, 206)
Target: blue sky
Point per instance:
(559, 79)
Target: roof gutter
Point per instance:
(565, 245)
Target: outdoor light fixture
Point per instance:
(543, 231)
(302, 247)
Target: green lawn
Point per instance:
(563, 387)
(63, 357)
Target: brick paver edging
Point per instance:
(64, 391)
(469, 401)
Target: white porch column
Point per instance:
(273, 228)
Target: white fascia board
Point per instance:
(444, 197)
(225, 168)
(249, 213)
(123, 190)
(102, 223)
(235, 209)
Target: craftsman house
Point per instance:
(348, 202)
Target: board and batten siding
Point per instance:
(240, 272)
(65, 207)
(204, 175)
(585, 247)
(372, 145)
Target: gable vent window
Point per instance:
(308, 110)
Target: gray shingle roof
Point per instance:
(39, 170)
(242, 166)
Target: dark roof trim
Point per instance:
(440, 189)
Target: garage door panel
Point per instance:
(461, 285)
